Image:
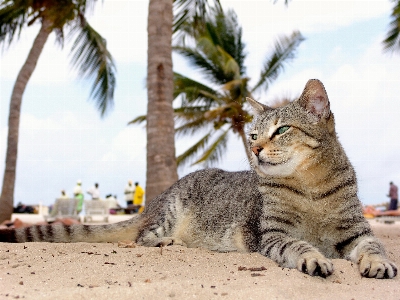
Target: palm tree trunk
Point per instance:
(161, 161)
(7, 192)
(246, 145)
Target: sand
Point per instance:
(107, 271)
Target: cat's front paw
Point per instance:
(376, 266)
(315, 264)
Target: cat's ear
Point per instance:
(258, 107)
(315, 99)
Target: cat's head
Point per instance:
(283, 140)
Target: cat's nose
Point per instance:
(257, 150)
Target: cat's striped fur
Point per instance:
(298, 205)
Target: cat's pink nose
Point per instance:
(257, 150)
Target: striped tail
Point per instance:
(126, 230)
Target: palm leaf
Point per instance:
(189, 11)
(184, 113)
(13, 17)
(200, 118)
(224, 31)
(138, 120)
(192, 151)
(190, 112)
(237, 89)
(286, 2)
(86, 6)
(191, 127)
(213, 61)
(223, 65)
(194, 91)
(215, 151)
(284, 50)
(218, 51)
(392, 41)
(199, 61)
(91, 56)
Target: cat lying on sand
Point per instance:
(298, 205)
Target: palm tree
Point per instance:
(89, 55)
(161, 162)
(392, 41)
(216, 49)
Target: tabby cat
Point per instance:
(298, 205)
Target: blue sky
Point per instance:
(63, 138)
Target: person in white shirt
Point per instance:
(63, 195)
(94, 192)
(129, 190)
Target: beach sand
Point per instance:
(107, 271)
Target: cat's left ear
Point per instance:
(315, 99)
(258, 107)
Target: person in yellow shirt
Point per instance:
(138, 197)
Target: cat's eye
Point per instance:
(282, 129)
(254, 136)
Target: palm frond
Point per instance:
(224, 31)
(86, 6)
(284, 51)
(194, 91)
(192, 127)
(392, 41)
(218, 50)
(215, 151)
(91, 56)
(13, 17)
(190, 112)
(199, 61)
(213, 61)
(286, 2)
(198, 117)
(230, 67)
(194, 117)
(138, 120)
(237, 89)
(188, 155)
(189, 11)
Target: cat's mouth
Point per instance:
(276, 168)
(272, 161)
(266, 164)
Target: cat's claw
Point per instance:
(169, 241)
(374, 266)
(315, 264)
(161, 242)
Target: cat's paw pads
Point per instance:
(377, 267)
(315, 264)
(169, 241)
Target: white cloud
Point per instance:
(308, 16)
(129, 144)
(263, 21)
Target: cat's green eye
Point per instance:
(282, 129)
(254, 136)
